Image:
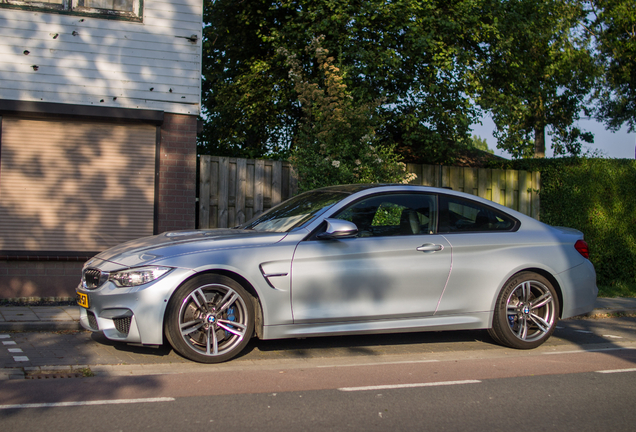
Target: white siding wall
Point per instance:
(105, 62)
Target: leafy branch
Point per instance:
(335, 142)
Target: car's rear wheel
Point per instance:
(210, 319)
(526, 312)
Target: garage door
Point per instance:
(74, 186)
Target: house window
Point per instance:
(115, 9)
(113, 5)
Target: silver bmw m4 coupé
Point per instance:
(354, 259)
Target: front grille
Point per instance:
(92, 278)
(92, 320)
(122, 324)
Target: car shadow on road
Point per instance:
(600, 335)
(588, 334)
(326, 346)
(364, 345)
(161, 351)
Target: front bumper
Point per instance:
(132, 315)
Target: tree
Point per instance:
(417, 56)
(248, 106)
(413, 55)
(336, 143)
(428, 61)
(614, 31)
(480, 144)
(535, 74)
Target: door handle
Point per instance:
(430, 247)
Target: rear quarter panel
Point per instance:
(483, 262)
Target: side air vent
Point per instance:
(92, 320)
(122, 324)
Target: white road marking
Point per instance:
(588, 351)
(401, 386)
(616, 371)
(87, 403)
(613, 337)
(13, 350)
(378, 364)
(583, 331)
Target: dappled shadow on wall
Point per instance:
(75, 186)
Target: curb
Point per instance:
(21, 373)
(605, 313)
(37, 326)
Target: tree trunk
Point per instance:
(539, 142)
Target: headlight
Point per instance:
(137, 276)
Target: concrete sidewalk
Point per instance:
(56, 318)
(39, 318)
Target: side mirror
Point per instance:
(338, 229)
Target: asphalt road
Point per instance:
(64, 349)
(582, 379)
(578, 390)
(570, 402)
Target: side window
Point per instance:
(391, 215)
(459, 215)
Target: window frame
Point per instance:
(71, 7)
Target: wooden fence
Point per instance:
(233, 190)
(518, 190)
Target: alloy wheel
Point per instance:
(213, 319)
(531, 310)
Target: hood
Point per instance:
(147, 250)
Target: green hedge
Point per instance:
(598, 197)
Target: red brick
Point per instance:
(177, 173)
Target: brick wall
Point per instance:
(176, 200)
(19, 279)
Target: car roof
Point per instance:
(354, 188)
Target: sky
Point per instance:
(618, 145)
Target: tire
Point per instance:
(210, 319)
(526, 312)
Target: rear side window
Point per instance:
(460, 215)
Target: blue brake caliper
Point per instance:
(230, 317)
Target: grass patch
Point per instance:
(619, 289)
(86, 372)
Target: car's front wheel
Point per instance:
(210, 319)
(526, 312)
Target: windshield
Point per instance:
(295, 211)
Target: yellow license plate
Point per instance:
(82, 300)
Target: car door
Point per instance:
(486, 247)
(396, 267)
